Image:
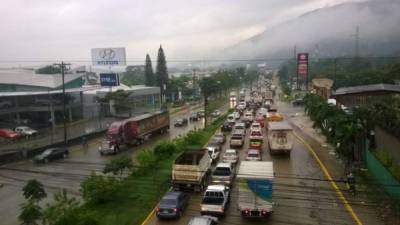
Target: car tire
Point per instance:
(64, 155)
(46, 160)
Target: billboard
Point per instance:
(109, 79)
(108, 56)
(302, 66)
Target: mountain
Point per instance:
(329, 32)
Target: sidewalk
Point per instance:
(366, 210)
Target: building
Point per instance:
(361, 95)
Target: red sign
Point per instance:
(302, 65)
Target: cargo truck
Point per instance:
(280, 137)
(255, 184)
(133, 131)
(191, 170)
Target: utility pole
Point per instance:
(62, 66)
(294, 62)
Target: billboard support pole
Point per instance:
(62, 67)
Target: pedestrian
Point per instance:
(351, 183)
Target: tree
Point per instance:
(34, 190)
(30, 213)
(148, 72)
(48, 70)
(122, 101)
(98, 189)
(209, 86)
(162, 73)
(118, 165)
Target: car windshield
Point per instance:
(47, 152)
(222, 171)
(168, 201)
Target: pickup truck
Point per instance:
(223, 174)
(191, 169)
(215, 200)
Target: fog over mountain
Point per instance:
(329, 32)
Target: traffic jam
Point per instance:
(232, 166)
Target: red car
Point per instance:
(261, 120)
(9, 134)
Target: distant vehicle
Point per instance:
(172, 205)
(236, 115)
(240, 126)
(51, 154)
(231, 118)
(280, 137)
(26, 131)
(226, 126)
(273, 115)
(201, 113)
(241, 106)
(255, 127)
(223, 174)
(203, 220)
(9, 134)
(255, 189)
(181, 122)
(5, 104)
(248, 116)
(253, 155)
(221, 137)
(298, 102)
(216, 113)
(191, 169)
(215, 200)
(261, 120)
(262, 112)
(230, 156)
(237, 139)
(194, 116)
(256, 135)
(133, 131)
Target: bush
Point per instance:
(98, 189)
(164, 149)
(147, 159)
(384, 157)
(118, 165)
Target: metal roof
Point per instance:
(260, 170)
(367, 88)
(28, 77)
(28, 93)
(279, 125)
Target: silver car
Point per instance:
(203, 220)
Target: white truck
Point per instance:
(191, 170)
(215, 200)
(280, 137)
(255, 184)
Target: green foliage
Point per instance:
(161, 70)
(122, 101)
(384, 156)
(119, 165)
(133, 76)
(98, 189)
(30, 213)
(164, 149)
(34, 190)
(147, 160)
(148, 72)
(48, 70)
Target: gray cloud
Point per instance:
(60, 29)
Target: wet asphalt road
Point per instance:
(67, 173)
(301, 193)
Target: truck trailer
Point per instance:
(255, 184)
(133, 131)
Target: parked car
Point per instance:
(220, 137)
(194, 116)
(9, 134)
(216, 113)
(5, 104)
(203, 220)
(226, 126)
(172, 205)
(26, 131)
(52, 154)
(230, 156)
(253, 155)
(181, 122)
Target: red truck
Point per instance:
(133, 131)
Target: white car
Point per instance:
(26, 131)
(216, 113)
(230, 156)
(255, 127)
(248, 116)
(236, 115)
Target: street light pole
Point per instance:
(62, 66)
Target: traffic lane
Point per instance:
(64, 174)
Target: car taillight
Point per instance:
(175, 210)
(157, 209)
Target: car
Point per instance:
(221, 137)
(261, 120)
(52, 154)
(213, 152)
(236, 114)
(181, 122)
(5, 104)
(216, 113)
(298, 102)
(9, 134)
(226, 126)
(215, 200)
(203, 220)
(194, 116)
(253, 155)
(237, 139)
(231, 118)
(248, 116)
(201, 113)
(255, 126)
(230, 156)
(26, 131)
(223, 173)
(240, 126)
(172, 205)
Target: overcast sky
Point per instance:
(68, 29)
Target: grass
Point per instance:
(140, 193)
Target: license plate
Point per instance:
(165, 211)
